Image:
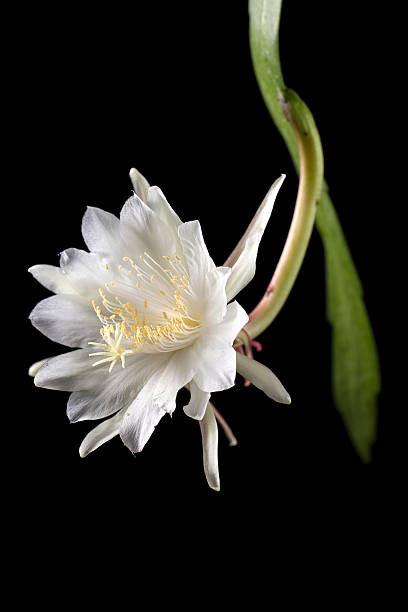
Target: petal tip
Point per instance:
(35, 368)
(197, 416)
(282, 397)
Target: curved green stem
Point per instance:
(356, 379)
(309, 191)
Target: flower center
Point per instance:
(146, 307)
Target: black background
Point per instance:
(172, 92)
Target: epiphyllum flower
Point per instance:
(148, 312)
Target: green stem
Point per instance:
(356, 379)
(309, 191)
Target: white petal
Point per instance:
(85, 271)
(52, 278)
(195, 251)
(101, 433)
(243, 258)
(67, 319)
(206, 279)
(210, 292)
(140, 419)
(157, 202)
(109, 392)
(143, 230)
(243, 271)
(214, 355)
(156, 398)
(140, 184)
(101, 232)
(35, 367)
(198, 402)
(263, 378)
(234, 320)
(217, 367)
(209, 434)
(71, 371)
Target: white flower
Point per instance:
(147, 312)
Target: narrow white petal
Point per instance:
(243, 270)
(209, 434)
(52, 278)
(263, 378)
(67, 319)
(71, 371)
(101, 433)
(140, 184)
(198, 402)
(35, 367)
(157, 202)
(243, 258)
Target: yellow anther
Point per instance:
(145, 303)
(106, 267)
(162, 292)
(125, 258)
